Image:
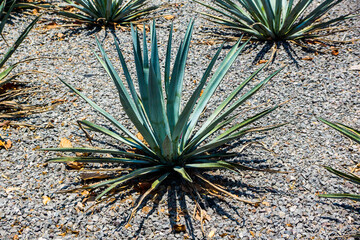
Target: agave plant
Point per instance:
(172, 145)
(273, 19)
(105, 12)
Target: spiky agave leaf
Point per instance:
(354, 135)
(105, 12)
(273, 19)
(4, 73)
(172, 146)
(24, 4)
(347, 176)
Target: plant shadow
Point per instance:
(179, 209)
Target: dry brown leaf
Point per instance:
(65, 143)
(169, 17)
(5, 144)
(146, 209)
(141, 27)
(307, 58)
(85, 193)
(75, 165)
(46, 199)
(52, 25)
(179, 228)
(58, 101)
(262, 61)
(335, 52)
(252, 233)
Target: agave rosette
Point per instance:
(273, 19)
(108, 11)
(172, 146)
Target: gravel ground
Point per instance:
(322, 86)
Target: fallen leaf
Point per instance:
(146, 209)
(179, 228)
(127, 225)
(307, 58)
(52, 25)
(211, 233)
(75, 165)
(85, 193)
(252, 233)
(262, 61)
(169, 17)
(46, 199)
(335, 52)
(5, 144)
(141, 27)
(65, 143)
